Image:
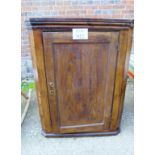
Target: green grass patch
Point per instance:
(25, 86)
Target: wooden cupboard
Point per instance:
(80, 70)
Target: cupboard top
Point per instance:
(49, 22)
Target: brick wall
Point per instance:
(67, 8)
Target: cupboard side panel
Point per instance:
(129, 45)
(40, 78)
(111, 69)
(119, 80)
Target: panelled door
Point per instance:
(80, 79)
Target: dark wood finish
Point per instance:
(79, 21)
(80, 83)
(66, 24)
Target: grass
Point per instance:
(25, 86)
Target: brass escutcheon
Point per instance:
(51, 88)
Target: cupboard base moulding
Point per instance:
(88, 134)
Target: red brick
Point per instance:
(105, 7)
(119, 7)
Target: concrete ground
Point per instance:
(33, 143)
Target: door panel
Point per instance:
(82, 74)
